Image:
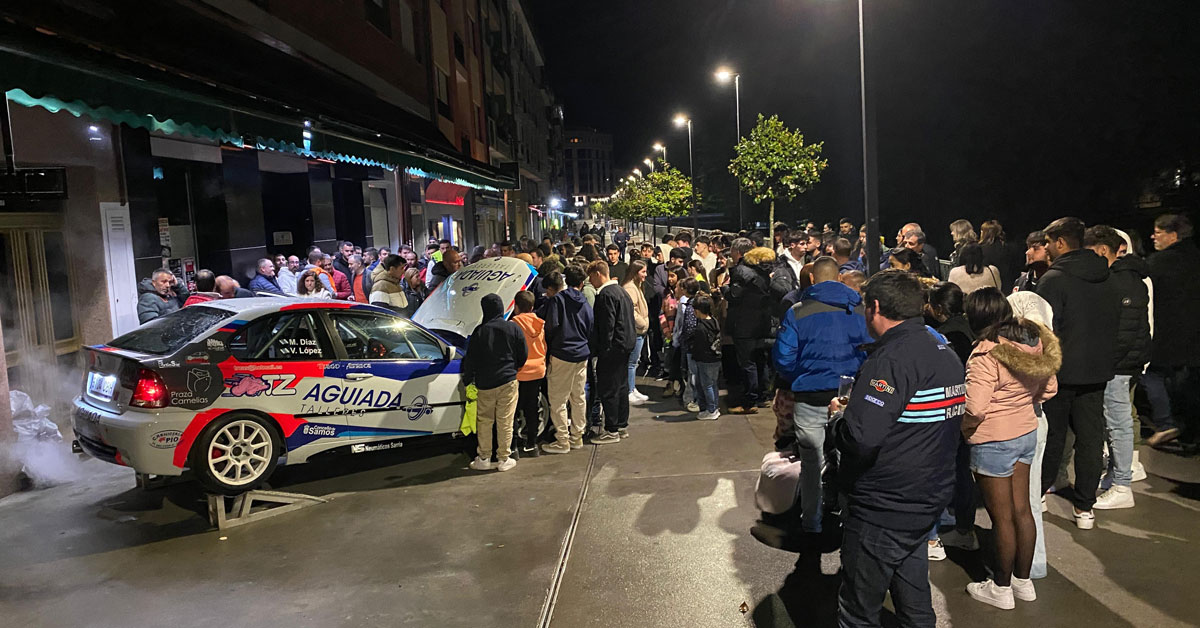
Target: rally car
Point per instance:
(232, 388)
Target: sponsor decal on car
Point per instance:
(468, 289)
(363, 448)
(418, 408)
(317, 429)
(351, 396)
(197, 358)
(214, 345)
(483, 275)
(166, 439)
(267, 385)
(168, 364)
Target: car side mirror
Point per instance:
(451, 352)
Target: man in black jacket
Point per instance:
(1132, 354)
(1086, 315)
(1173, 381)
(897, 435)
(495, 352)
(613, 338)
(751, 304)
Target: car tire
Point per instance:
(236, 453)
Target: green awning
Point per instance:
(123, 99)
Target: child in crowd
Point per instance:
(685, 322)
(495, 351)
(705, 350)
(531, 378)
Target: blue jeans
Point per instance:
(876, 561)
(689, 379)
(705, 376)
(634, 356)
(1118, 416)
(810, 424)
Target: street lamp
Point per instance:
(649, 163)
(660, 148)
(680, 121)
(870, 168)
(637, 171)
(723, 75)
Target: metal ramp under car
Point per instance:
(256, 505)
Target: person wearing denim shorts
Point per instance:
(1012, 367)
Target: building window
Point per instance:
(460, 52)
(408, 37)
(443, 95)
(378, 16)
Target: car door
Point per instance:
(277, 366)
(409, 385)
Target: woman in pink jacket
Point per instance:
(1012, 366)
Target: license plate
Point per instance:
(101, 386)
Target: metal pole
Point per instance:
(737, 101)
(870, 167)
(6, 138)
(692, 176)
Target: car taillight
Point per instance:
(150, 391)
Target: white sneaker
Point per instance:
(961, 540)
(1023, 590)
(1114, 498)
(507, 464)
(1139, 472)
(1084, 520)
(705, 416)
(936, 550)
(692, 407)
(640, 394)
(989, 593)
(635, 400)
(479, 464)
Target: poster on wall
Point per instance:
(185, 269)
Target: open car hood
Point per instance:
(454, 309)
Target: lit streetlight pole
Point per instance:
(870, 167)
(681, 121)
(723, 75)
(649, 163)
(659, 147)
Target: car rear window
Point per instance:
(170, 333)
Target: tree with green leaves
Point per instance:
(775, 163)
(668, 192)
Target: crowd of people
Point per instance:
(899, 399)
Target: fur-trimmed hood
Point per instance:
(1039, 361)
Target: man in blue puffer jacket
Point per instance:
(819, 341)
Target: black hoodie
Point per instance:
(496, 349)
(1133, 332)
(1086, 314)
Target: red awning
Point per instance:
(444, 193)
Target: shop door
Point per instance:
(37, 310)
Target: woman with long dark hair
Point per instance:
(973, 274)
(1012, 367)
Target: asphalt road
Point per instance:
(648, 532)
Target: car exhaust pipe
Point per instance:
(75, 447)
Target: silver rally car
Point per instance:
(230, 389)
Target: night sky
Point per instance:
(1021, 111)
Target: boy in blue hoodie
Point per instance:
(818, 342)
(568, 328)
